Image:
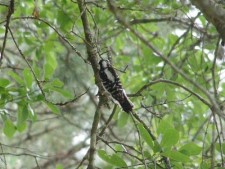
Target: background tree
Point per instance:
(55, 112)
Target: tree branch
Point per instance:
(10, 12)
(100, 134)
(94, 136)
(214, 13)
(93, 58)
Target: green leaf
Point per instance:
(205, 164)
(190, 149)
(177, 165)
(157, 147)
(118, 161)
(119, 147)
(220, 147)
(114, 159)
(31, 111)
(169, 138)
(4, 82)
(57, 83)
(32, 115)
(147, 154)
(9, 128)
(63, 92)
(50, 65)
(63, 19)
(37, 70)
(21, 126)
(104, 156)
(23, 114)
(5, 96)
(123, 119)
(49, 70)
(54, 83)
(177, 156)
(164, 125)
(59, 166)
(53, 108)
(145, 135)
(3, 115)
(28, 77)
(16, 77)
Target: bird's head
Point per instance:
(104, 63)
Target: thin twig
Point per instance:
(212, 147)
(5, 162)
(28, 64)
(213, 69)
(201, 128)
(145, 126)
(219, 138)
(108, 121)
(73, 100)
(37, 163)
(10, 12)
(5, 5)
(139, 139)
(173, 83)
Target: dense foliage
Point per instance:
(165, 54)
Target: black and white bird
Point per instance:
(112, 84)
(221, 50)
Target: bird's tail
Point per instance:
(126, 105)
(123, 100)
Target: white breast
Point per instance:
(109, 75)
(104, 64)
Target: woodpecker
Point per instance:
(112, 84)
(221, 50)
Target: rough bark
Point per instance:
(214, 13)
